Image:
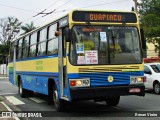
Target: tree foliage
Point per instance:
(9, 28)
(27, 28)
(149, 11)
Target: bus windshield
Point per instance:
(104, 45)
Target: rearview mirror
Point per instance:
(144, 48)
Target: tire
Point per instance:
(21, 90)
(113, 101)
(59, 104)
(156, 88)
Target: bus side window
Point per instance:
(42, 42)
(52, 43)
(19, 49)
(11, 52)
(33, 43)
(25, 47)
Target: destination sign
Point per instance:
(63, 22)
(89, 16)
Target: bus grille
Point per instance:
(99, 76)
(108, 69)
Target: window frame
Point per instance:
(52, 38)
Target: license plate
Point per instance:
(134, 90)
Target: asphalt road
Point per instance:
(128, 108)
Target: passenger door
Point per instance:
(62, 63)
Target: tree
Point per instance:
(150, 21)
(9, 28)
(27, 28)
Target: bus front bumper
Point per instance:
(104, 92)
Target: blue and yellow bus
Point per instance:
(83, 55)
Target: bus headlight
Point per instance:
(79, 82)
(137, 80)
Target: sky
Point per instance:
(24, 10)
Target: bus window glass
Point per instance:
(43, 35)
(33, 38)
(52, 46)
(42, 48)
(52, 30)
(20, 53)
(25, 47)
(104, 45)
(32, 51)
(20, 43)
(25, 52)
(11, 51)
(26, 41)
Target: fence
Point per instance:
(3, 69)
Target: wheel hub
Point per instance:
(20, 89)
(157, 88)
(55, 97)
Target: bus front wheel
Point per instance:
(58, 103)
(113, 101)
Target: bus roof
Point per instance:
(70, 14)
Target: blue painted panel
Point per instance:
(11, 78)
(101, 79)
(37, 81)
(45, 86)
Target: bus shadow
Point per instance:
(86, 108)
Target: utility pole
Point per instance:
(135, 5)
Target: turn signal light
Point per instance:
(72, 83)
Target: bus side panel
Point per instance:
(36, 72)
(37, 83)
(34, 83)
(11, 78)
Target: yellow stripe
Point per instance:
(41, 65)
(51, 65)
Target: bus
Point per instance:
(84, 55)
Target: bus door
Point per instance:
(62, 64)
